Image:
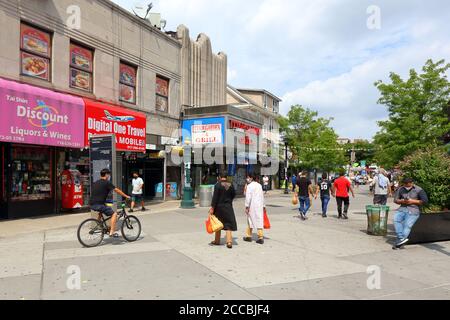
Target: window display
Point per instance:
(31, 174)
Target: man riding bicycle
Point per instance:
(99, 195)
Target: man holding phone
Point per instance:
(410, 198)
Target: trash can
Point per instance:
(206, 194)
(377, 220)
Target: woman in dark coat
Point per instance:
(222, 208)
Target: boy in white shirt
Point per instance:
(137, 194)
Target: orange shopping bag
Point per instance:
(208, 225)
(266, 220)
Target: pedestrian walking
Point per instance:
(254, 208)
(411, 198)
(381, 188)
(305, 194)
(266, 183)
(294, 182)
(341, 187)
(325, 190)
(222, 208)
(137, 195)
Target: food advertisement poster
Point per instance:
(81, 57)
(127, 75)
(162, 87)
(127, 94)
(162, 104)
(34, 115)
(35, 40)
(35, 66)
(80, 79)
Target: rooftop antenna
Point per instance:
(139, 7)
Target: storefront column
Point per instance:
(165, 177)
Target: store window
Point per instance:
(162, 94)
(31, 174)
(127, 83)
(35, 52)
(81, 67)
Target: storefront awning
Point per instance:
(33, 115)
(127, 125)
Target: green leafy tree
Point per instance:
(430, 169)
(417, 112)
(364, 151)
(311, 139)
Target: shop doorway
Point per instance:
(151, 171)
(3, 199)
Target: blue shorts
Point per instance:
(101, 208)
(137, 197)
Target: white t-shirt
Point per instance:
(137, 184)
(266, 181)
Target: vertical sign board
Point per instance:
(102, 155)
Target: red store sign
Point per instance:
(128, 126)
(234, 124)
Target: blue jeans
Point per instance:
(404, 221)
(325, 201)
(305, 204)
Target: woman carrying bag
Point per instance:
(222, 208)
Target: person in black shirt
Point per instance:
(305, 194)
(99, 194)
(325, 190)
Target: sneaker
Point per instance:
(345, 217)
(401, 243)
(143, 209)
(339, 216)
(248, 239)
(302, 216)
(131, 211)
(260, 241)
(324, 216)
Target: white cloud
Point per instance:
(318, 53)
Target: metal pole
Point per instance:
(187, 202)
(286, 187)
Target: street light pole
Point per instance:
(187, 202)
(286, 188)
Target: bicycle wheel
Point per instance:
(90, 233)
(131, 229)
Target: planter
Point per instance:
(429, 228)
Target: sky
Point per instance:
(325, 55)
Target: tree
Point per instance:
(417, 112)
(311, 139)
(364, 151)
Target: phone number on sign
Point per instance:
(227, 310)
(11, 138)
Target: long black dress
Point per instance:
(222, 202)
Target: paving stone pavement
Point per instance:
(316, 259)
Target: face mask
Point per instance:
(409, 189)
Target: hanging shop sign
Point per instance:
(204, 131)
(129, 127)
(33, 115)
(249, 132)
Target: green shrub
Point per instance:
(430, 169)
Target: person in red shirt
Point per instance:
(341, 188)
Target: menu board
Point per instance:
(81, 57)
(35, 66)
(80, 79)
(35, 40)
(162, 87)
(127, 75)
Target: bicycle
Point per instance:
(92, 231)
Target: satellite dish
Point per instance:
(142, 11)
